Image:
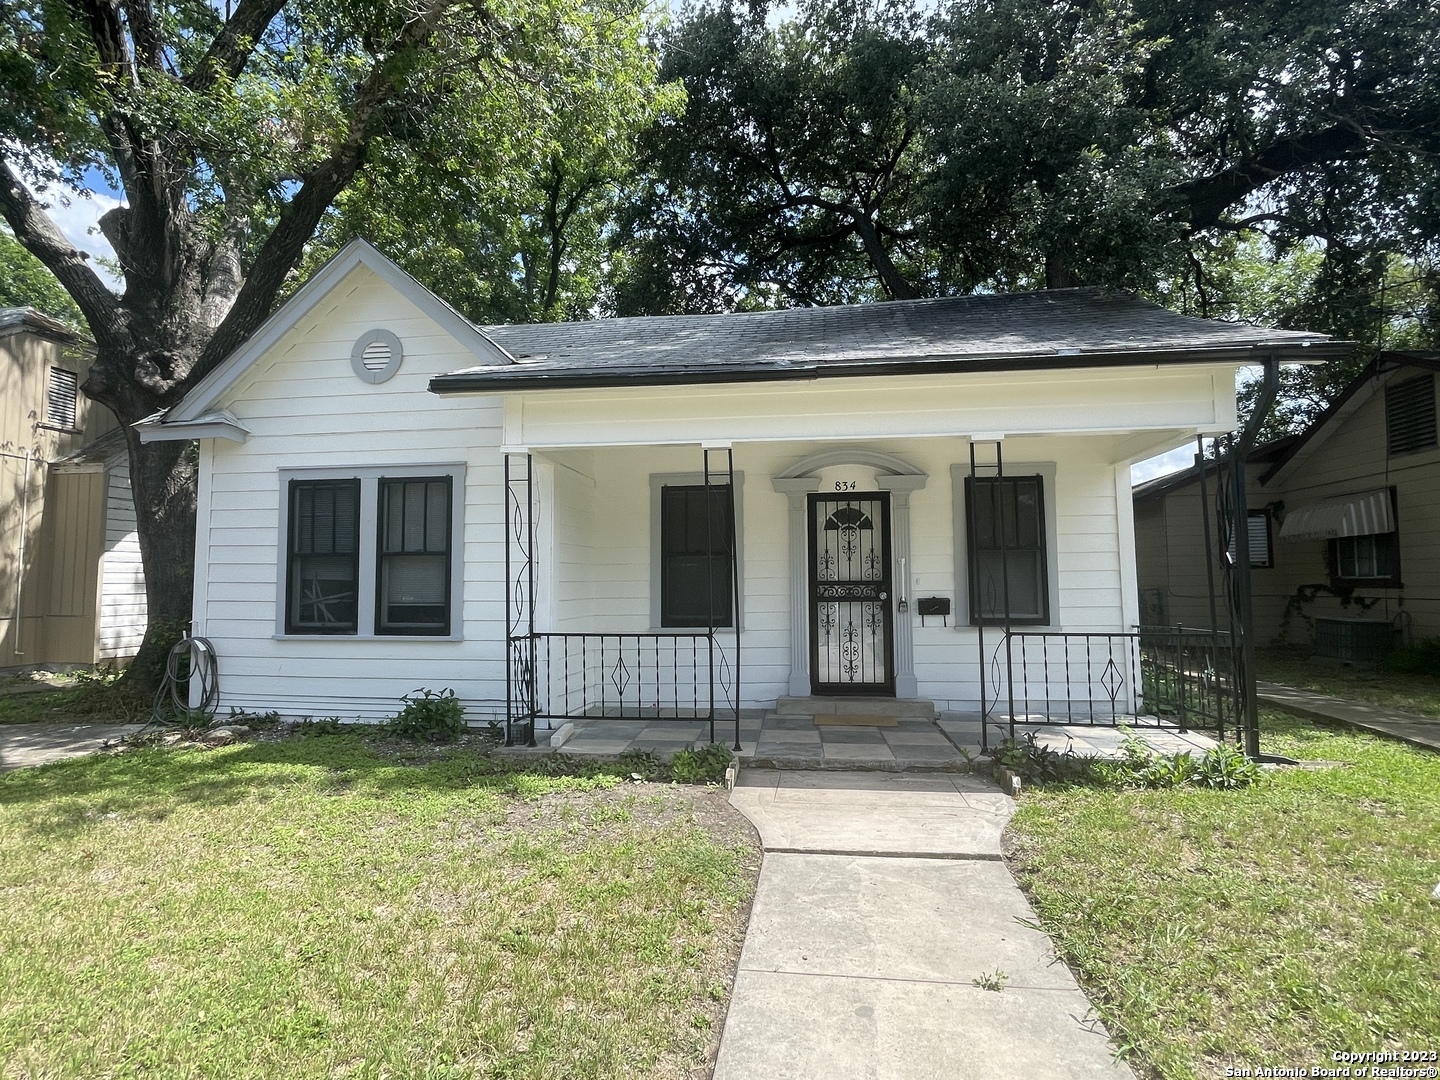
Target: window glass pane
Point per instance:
(413, 591)
(415, 516)
(437, 517)
(1365, 557)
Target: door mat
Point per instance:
(837, 720)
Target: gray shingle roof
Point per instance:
(1053, 328)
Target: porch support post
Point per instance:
(796, 488)
(900, 487)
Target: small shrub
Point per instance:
(642, 764)
(704, 766)
(1035, 763)
(432, 715)
(1422, 658)
(1226, 767)
(311, 728)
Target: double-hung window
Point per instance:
(370, 555)
(1006, 555)
(695, 542)
(323, 585)
(414, 557)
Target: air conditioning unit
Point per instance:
(1354, 641)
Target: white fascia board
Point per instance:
(208, 391)
(216, 425)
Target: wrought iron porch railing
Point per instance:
(1154, 676)
(672, 676)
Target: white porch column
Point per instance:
(796, 488)
(900, 487)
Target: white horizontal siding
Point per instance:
(122, 577)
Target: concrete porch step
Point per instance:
(854, 706)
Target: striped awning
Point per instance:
(1357, 515)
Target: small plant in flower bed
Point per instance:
(704, 766)
(1221, 767)
(431, 715)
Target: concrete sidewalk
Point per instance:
(39, 744)
(1422, 731)
(882, 901)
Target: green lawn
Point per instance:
(1409, 693)
(321, 907)
(1267, 926)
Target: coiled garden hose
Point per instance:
(191, 660)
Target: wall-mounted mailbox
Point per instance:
(933, 605)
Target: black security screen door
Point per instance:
(850, 615)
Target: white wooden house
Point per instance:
(392, 497)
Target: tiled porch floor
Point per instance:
(949, 742)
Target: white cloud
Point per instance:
(1182, 457)
(77, 215)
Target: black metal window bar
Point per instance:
(676, 675)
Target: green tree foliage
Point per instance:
(504, 202)
(233, 129)
(24, 282)
(1196, 152)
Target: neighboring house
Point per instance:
(1344, 522)
(71, 589)
(389, 495)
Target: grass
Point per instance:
(1409, 693)
(318, 907)
(1267, 926)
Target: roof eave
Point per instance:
(510, 380)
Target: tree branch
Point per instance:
(1206, 198)
(301, 215)
(231, 50)
(43, 239)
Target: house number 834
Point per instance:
(844, 485)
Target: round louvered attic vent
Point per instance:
(376, 355)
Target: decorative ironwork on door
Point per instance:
(851, 620)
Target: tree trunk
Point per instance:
(163, 484)
(890, 276)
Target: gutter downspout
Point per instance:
(1239, 457)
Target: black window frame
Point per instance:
(292, 567)
(719, 543)
(1040, 552)
(382, 555)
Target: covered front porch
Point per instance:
(828, 601)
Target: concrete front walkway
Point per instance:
(39, 744)
(1413, 728)
(882, 901)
